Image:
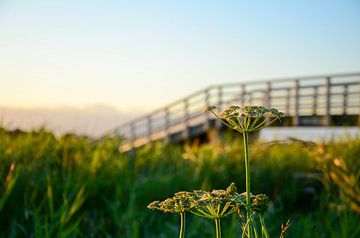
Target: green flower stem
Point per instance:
(256, 235)
(218, 228)
(263, 227)
(182, 225)
(247, 174)
(247, 225)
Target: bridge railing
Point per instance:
(322, 95)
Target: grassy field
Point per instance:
(78, 187)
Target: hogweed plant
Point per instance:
(217, 204)
(212, 205)
(180, 203)
(220, 203)
(245, 120)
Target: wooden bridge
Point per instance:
(312, 100)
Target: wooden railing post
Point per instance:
(207, 97)
(220, 97)
(267, 93)
(186, 131)
(167, 124)
(288, 99)
(132, 134)
(327, 117)
(296, 98)
(207, 103)
(149, 127)
(250, 99)
(242, 94)
(315, 103)
(345, 99)
(220, 104)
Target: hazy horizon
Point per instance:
(93, 120)
(138, 56)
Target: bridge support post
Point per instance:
(315, 101)
(288, 100)
(327, 116)
(296, 118)
(167, 125)
(132, 135)
(267, 96)
(206, 125)
(242, 94)
(220, 104)
(149, 128)
(345, 100)
(186, 132)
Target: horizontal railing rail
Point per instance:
(321, 95)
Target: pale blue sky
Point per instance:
(143, 54)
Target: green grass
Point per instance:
(77, 187)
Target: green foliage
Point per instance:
(78, 187)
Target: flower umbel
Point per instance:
(180, 202)
(218, 203)
(212, 205)
(247, 118)
(260, 203)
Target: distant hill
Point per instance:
(92, 120)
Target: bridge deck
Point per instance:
(324, 96)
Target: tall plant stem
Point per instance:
(247, 174)
(218, 228)
(182, 225)
(263, 227)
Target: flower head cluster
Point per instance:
(212, 205)
(219, 197)
(218, 203)
(247, 118)
(260, 203)
(180, 202)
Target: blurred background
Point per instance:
(88, 66)
(101, 113)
